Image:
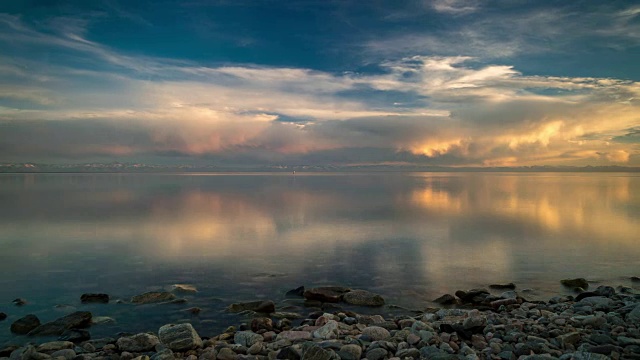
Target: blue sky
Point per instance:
(442, 82)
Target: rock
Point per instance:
(575, 283)
(586, 294)
(294, 335)
(153, 297)
(330, 294)
(569, 338)
(67, 354)
(626, 341)
(165, 354)
(363, 298)
(584, 355)
(97, 320)
(446, 299)
(138, 343)
(327, 331)
(297, 292)
(350, 352)
(75, 335)
(607, 291)
(25, 324)
(635, 278)
(286, 315)
(606, 349)
(314, 352)
(634, 316)
(376, 333)
(261, 323)
(76, 320)
(597, 302)
(179, 337)
(6, 350)
(55, 346)
(260, 306)
(474, 321)
(473, 296)
(377, 354)
(94, 298)
(247, 338)
(288, 354)
(19, 302)
(2, 316)
(183, 289)
(509, 286)
(226, 354)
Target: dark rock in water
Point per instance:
(473, 296)
(446, 299)
(137, 343)
(363, 298)
(7, 350)
(586, 294)
(19, 302)
(296, 292)
(260, 306)
(25, 324)
(94, 298)
(326, 294)
(330, 307)
(575, 283)
(153, 297)
(2, 316)
(607, 291)
(261, 323)
(509, 286)
(78, 319)
(635, 279)
(75, 335)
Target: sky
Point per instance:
(321, 82)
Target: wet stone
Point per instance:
(94, 298)
(25, 324)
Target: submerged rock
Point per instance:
(19, 302)
(446, 299)
(75, 335)
(330, 294)
(2, 316)
(138, 343)
(260, 306)
(183, 289)
(25, 324)
(299, 291)
(363, 298)
(509, 286)
(78, 319)
(94, 298)
(153, 297)
(575, 283)
(179, 337)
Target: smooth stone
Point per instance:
(25, 324)
(605, 349)
(331, 294)
(55, 346)
(597, 302)
(288, 353)
(68, 354)
(474, 321)
(626, 341)
(6, 350)
(297, 292)
(286, 315)
(575, 283)
(247, 338)
(183, 289)
(179, 337)
(377, 354)
(508, 295)
(294, 335)
(165, 354)
(75, 335)
(226, 354)
(376, 333)
(509, 286)
(634, 315)
(137, 343)
(410, 352)
(327, 331)
(635, 279)
(473, 295)
(606, 291)
(261, 323)
(260, 306)
(2, 316)
(350, 352)
(78, 319)
(363, 298)
(569, 338)
(94, 298)
(153, 297)
(584, 355)
(446, 299)
(315, 352)
(97, 320)
(19, 302)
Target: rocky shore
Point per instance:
(603, 323)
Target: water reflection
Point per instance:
(408, 236)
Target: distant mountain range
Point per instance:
(117, 167)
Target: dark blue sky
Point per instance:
(457, 82)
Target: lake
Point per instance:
(410, 237)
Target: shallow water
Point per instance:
(410, 237)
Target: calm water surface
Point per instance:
(410, 237)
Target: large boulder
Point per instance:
(260, 306)
(94, 298)
(179, 337)
(76, 320)
(247, 338)
(138, 343)
(153, 297)
(25, 324)
(575, 283)
(330, 294)
(363, 297)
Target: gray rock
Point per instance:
(25, 324)
(634, 315)
(138, 343)
(55, 346)
(78, 319)
(569, 338)
(288, 353)
(179, 337)
(377, 354)
(575, 283)
(584, 355)
(327, 331)
(376, 333)
(226, 354)
(330, 294)
(474, 321)
(261, 323)
(315, 352)
(410, 352)
(75, 335)
(94, 298)
(597, 302)
(260, 306)
(626, 341)
(446, 299)
(247, 338)
(293, 335)
(165, 354)
(68, 354)
(350, 352)
(153, 297)
(183, 289)
(363, 298)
